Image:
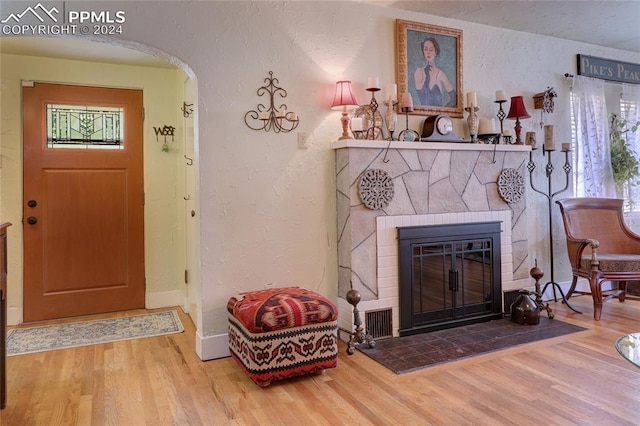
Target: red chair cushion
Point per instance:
(281, 308)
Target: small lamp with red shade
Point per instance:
(516, 112)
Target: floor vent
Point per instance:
(378, 323)
(509, 298)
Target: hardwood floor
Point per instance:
(574, 379)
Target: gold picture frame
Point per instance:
(443, 46)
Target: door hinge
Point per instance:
(144, 113)
(186, 276)
(144, 198)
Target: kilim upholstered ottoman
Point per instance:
(282, 332)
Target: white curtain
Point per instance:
(630, 110)
(594, 177)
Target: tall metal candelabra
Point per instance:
(549, 194)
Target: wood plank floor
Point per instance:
(574, 379)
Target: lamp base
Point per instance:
(345, 125)
(518, 129)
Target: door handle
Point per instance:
(32, 203)
(32, 220)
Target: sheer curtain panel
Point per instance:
(594, 175)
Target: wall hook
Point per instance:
(165, 131)
(186, 109)
(189, 161)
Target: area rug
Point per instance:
(411, 353)
(61, 336)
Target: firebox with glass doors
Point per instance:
(449, 276)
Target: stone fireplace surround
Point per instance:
(434, 183)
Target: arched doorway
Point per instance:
(171, 184)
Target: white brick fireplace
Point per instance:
(434, 183)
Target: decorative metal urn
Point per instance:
(524, 310)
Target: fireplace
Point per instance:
(434, 184)
(449, 275)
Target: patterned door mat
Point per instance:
(411, 353)
(61, 336)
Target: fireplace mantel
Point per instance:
(448, 146)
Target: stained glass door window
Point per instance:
(85, 127)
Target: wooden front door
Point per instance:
(83, 201)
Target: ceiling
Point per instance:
(609, 23)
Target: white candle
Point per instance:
(356, 124)
(472, 99)
(292, 116)
(549, 144)
(500, 95)
(264, 115)
(487, 126)
(566, 147)
(507, 133)
(392, 92)
(373, 83)
(282, 111)
(407, 101)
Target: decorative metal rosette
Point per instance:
(511, 185)
(376, 189)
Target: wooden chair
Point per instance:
(600, 246)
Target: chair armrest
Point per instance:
(575, 247)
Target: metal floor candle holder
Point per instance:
(549, 194)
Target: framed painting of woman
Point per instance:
(429, 67)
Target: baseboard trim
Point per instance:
(212, 347)
(14, 316)
(164, 299)
(582, 285)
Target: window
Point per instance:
(596, 123)
(85, 127)
(631, 190)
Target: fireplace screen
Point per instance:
(449, 276)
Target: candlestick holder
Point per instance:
(390, 117)
(408, 135)
(270, 117)
(374, 129)
(358, 134)
(501, 115)
(489, 138)
(472, 121)
(549, 195)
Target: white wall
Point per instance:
(164, 228)
(268, 209)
